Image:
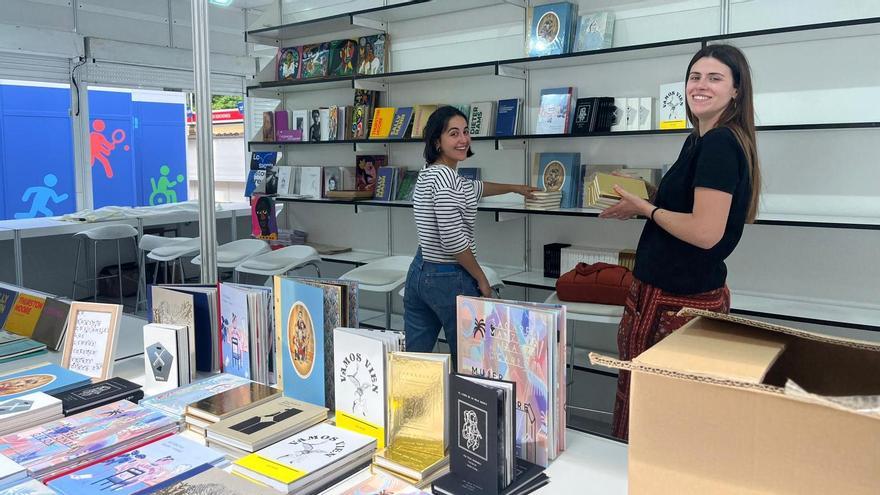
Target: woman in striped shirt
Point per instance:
(445, 208)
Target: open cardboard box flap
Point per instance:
(735, 351)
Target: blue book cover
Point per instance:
(594, 31)
(47, 379)
(401, 122)
(235, 331)
(552, 29)
(560, 172)
(7, 300)
(472, 173)
(507, 117)
(142, 470)
(384, 184)
(261, 160)
(28, 486)
(554, 111)
(301, 331)
(254, 179)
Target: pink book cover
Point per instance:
(509, 341)
(263, 224)
(380, 484)
(282, 123)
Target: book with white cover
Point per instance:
(360, 360)
(299, 121)
(618, 123)
(307, 456)
(632, 114)
(325, 124)
(285, 180)
(646, 113)
(165, 366)
(11, 472)
(482, 118)
(21, 412)
(671, 106)
(310, 182)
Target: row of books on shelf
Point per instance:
(366, 55)
(407, 405)
(560, 257)
(30, 323)
(556, 28)
(566, 183)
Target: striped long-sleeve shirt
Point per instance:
(445, 209)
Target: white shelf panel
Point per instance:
(355, 256)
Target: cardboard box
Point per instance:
(709, 413)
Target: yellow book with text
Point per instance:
(383, 117)
(25, 313)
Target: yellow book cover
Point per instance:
(25, 313)
(420, 118)
(360, 425)
(383, 117)
(271, 469)
(417, 401)
(605, 185)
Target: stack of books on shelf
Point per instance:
(173, 403)
(560, 172)
(57, 447)
(262, 425)
(361, 375)
(310, 461)
(418, 402)
(570, 256)
(142, 470)
(210, 410)
(544, 200)
(247, 332)
(492, 342)
(600, 190)
(92, 395)
(482, 457)
(28, 410)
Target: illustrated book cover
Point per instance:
(173, 402)
(266, 423)
(289, 62)
(46, 378)
(552, 29)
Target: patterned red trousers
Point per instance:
(648, 317)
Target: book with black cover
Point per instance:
(97, 394)
(585, 116)
(50, 327)
(479, 452)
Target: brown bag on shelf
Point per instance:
(599, 283)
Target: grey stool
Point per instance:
(116, 233)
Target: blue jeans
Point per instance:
(429, 303)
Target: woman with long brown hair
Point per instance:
(698, 213)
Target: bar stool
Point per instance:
(382, 275)
(172, 251)
(281, 261)
(234, 253)
(98, 234)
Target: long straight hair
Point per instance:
(739, 116)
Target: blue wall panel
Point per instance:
(160, 136)
(36, 162)
(114, 179)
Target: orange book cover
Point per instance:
(25, 313)
(383, 117)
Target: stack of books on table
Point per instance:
(14, 346)
(28, 410)
(142, 470)
(46, 378)
(213, 481)
(258, 427)
(11, 473)
(58, 447)
(310, 461)
(92, 395)
(544, 200)
(600, 190)
(418, 404)
(208, 411)
(173, 403)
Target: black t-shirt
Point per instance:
(716, 161)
